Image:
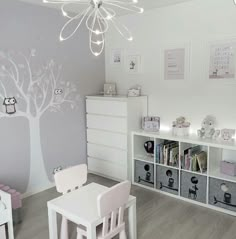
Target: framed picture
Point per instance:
(116, 57)
(222, 62)
(175, 62)
(133, 63)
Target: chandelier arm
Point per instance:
(131, 2)
(109, 12)
(81, 15)
(64, 1)
(128, 8)
(103, 22)
(123, 30)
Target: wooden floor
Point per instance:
(159, 217)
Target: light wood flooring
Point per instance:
(158, 217)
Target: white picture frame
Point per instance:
(133, 64)
(175, 62)
(221, 65)
(116, 57)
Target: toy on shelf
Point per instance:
(227, 134)
(208, 128)
(180, 127)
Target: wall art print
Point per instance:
(26, 91)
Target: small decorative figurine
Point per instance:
(180, 127)
(227, 134)
(208, 128)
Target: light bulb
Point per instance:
(130, 39)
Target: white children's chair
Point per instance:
(111, 205)
(69, 180)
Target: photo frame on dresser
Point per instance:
(221, 61)
(175, 62)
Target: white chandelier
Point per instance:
(98, 14)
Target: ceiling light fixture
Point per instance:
(98, 15)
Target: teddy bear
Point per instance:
(208, 128)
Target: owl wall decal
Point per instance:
(10, 105)
(58, 91)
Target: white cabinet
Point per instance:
(109, 123)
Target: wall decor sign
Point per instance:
(174, 64)
(116, 57)
(222, 60)
(133, 63)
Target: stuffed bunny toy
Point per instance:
(208, 128)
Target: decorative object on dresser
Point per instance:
(134, 91)
(109, 123)
(151, 123)
(188, 168)
(110, 89)
(227, 134)
(208, 128)
(180, 127)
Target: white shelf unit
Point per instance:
(110, 121)
(217, 150)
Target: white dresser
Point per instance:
(109, 123)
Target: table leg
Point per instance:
(132, 221)
(91, 232)
(52, 222)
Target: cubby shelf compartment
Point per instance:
(180, 183)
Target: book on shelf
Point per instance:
(194, 159)
(167, 153)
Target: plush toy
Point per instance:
(227, 134)
(181, 123)
(208, 128)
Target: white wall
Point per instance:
(198, 22)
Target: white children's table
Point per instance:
(80, 207)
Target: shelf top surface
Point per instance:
(113, 97)
(192, 139)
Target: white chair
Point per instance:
(69, 180)
(111, 205)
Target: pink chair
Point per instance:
(69, 180)
(111, 205)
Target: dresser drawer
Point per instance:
(111, 155)
(108, 169)
(105, 107)
(114, 124)
(107, 138)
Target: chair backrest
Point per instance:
(111, 206)
(71, 178)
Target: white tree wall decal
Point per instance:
(36, 92)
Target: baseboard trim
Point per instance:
(37, 190)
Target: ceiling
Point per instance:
(146, 4)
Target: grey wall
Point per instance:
(63, 136)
